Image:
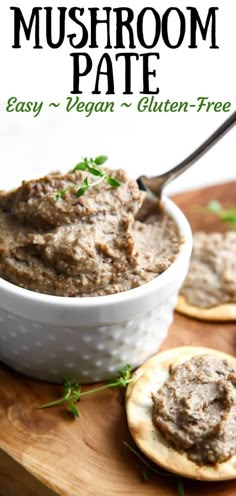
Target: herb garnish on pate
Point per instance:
(93, 166)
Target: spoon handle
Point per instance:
(156, 184)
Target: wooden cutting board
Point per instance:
(47, 452)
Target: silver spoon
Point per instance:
(156, 184)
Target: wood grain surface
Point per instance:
(86, 457)
(15, 480)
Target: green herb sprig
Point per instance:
(73, 393)
(149, 468)
(226, 214)
(180, 488)
(93, 166)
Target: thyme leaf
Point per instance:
(100, 160)
(180, 488)
(93, 167)
(61, 193)
(113, 182)
(81, 166)
(73, 393)
(80, 192)
(73, 408)
(145, 474)
(214, 207)
(95, 172)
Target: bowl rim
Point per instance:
(99, 301)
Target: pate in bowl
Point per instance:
(88, 278)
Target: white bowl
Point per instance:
(53, 337)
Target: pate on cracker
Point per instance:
(213, 459)
(209, 290)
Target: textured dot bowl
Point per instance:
(52, 337)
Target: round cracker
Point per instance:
(226, 312)
(146, 435)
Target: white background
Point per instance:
(139, 142)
